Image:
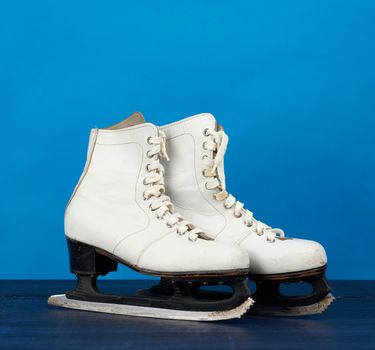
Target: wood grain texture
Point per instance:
(27, 322)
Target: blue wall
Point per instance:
(292, 82)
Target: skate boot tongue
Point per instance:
(134, 119)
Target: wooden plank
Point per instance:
(27, 322)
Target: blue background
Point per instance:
(292, 82)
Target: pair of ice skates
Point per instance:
(120, 212)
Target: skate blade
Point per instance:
(317, 308)
(141, 311)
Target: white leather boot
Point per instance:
(119, 213)
(195, 182)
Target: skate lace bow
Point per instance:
(155, 192)
(215, 171)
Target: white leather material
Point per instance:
(186, 185)
(184, 180)
(283, 255)
(203, 257)
(108, 210)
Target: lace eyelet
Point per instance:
(203, 173)
(148, 140)
(147, 167)
(144, 182)
(205, 185)
(169, 225)
(237, 216)
(148, 154)
(150, 206)
(205, 132)
(204, 157)
(204, 146)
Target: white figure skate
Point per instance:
(196, 183)
(120, 213)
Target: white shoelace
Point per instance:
(215, 171)
(156, 191)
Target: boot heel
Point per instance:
(85, 260)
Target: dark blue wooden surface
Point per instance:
(27, 322)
